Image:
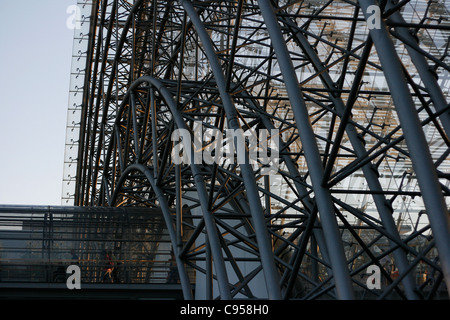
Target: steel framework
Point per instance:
(360, 104)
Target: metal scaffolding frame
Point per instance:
(363, 120)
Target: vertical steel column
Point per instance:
(325, 205)
(424, 70)
(209, 271)
(79, 186)
(108, 93)
(179, 205)
(264, 244)
(417, 145)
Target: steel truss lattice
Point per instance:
(363, 122)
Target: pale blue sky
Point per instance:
(35, 59)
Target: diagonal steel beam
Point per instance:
(424, 70)
(267, 260)
(323, 197)
(369, 171)
(415, 140)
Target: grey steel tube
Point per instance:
(326, 209)
(424, 70)
(417, 145)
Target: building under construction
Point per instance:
(355, 205)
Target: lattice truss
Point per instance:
(363, 128)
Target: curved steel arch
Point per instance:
(254, 65)
(201, 191)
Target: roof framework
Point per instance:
(362, 121)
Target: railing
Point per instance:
(110, 245)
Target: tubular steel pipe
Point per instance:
(424, 70)
(264, 244)
(325, 205)
(415, 140)
(90, 193)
